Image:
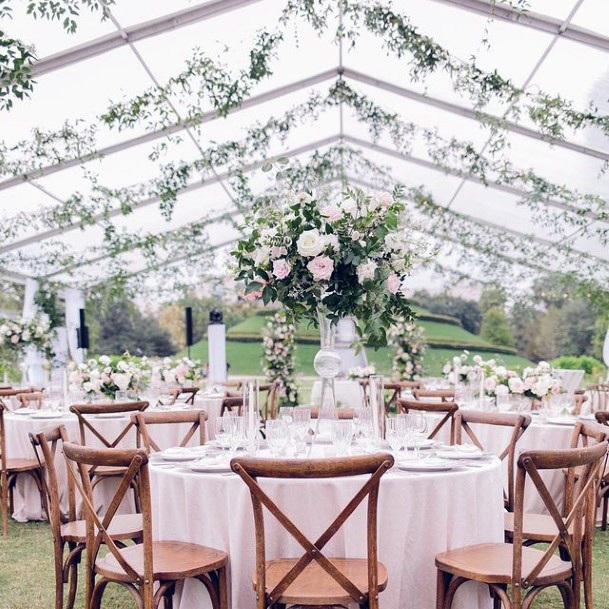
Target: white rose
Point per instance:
(121, 381)
(104, 360)
(303, 197)
(366, 270)
(262, 256)
(383, 199)
(87, 387)
(349, 206)
(332, 241)
(394, 241)
(310, 243)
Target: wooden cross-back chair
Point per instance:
(69, 532)
(315, 579)
(393, 391)
(268, 407)
(86, 414)
(541, 528)
(526, 570)
(603, 491)
(232, 404)
(464, 419)
(14, 393)
(10, 470)
(150, 570)
(579, 399)
(599, 397)
(446, 395)
(184, 394)
(445, 410)
(145, 420)
(32, 398)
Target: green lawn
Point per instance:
(27, 580)
(244, 358)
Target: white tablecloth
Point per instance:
(348, 393)
(27, 504)
(418, 517)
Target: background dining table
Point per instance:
(420, 514)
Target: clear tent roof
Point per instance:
(78, 78)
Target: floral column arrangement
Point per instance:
(278, 358)
(409, 350)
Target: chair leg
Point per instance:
(441, 585)
(223, 588)
(605, 510)
(4, 502)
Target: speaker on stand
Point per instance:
(189, 334)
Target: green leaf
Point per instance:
(267, 294)
(254, 286)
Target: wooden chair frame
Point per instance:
(31, 396)
(446, 395)
(232, 404)
(191, 392)
(140, 585)
(251, 469)
(599, 397)
(603, 491)
(9, 473)
(449, 409)
(570, 531)
(144, 420)
(518, 422)
(394, 386)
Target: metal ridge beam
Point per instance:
(206, 117)
(535, 21)
(54, 232)
(471, 114)
(469, 178)
(140, 31)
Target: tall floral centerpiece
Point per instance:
(408, 350)
(183, 372)
(278, 357)
(325, 260)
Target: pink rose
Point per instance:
(555, 389)
(281, 268)
(14, 339)
(490, 384)
(332, 212)
(255, 295)
(277, 251)
(321, 267)
(393, 284)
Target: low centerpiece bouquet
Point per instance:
(17, 335)
(458, 370)
(182, 372)
(361, 372)
(106, 375)
(540, 382)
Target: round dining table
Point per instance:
(419, 515)
(27, 504)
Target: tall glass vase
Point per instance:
(327, 361)
(376, 388)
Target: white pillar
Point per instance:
(33, 364)
(216, 343)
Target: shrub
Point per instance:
(589, 364)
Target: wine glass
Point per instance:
(418, 425)
(222, 431)
(236, 432)
(394, 433)
(286, 413)
(277, 436)
(342, 435)
(301, 424)
(362, 419)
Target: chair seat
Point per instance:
(107, 471)
(123, 526)
(492, 563)
(315, 586)
(536, 527)
(14, 466)
(172, 561)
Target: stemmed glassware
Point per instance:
(222, 431)
(301, 426)
(396, 433)
(417, 425)
(277, 436)
(362, 419)
(342, 435)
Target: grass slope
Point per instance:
(27, 580)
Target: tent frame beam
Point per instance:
(535, 21)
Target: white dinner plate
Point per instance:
(25, 411)
(431, 464)
(422, 444)
(211, 466)
(179, 454)
(46, 415)
(460, 453)
(561, 420)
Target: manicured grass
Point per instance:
(27, 579)
(245, 358)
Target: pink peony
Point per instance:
(14, 339)
(321, 267)
(332, 212)
(281, 268)
(393, 284)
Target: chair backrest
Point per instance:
(579, 398)
(232, 404)
(145, 420)
(517, 422)
(602, 416)
(268, 410)
(599, 397)
(578, 523)
(9, 393)
(136, 475)
(446, 395)
(86, 421)
(341, 413)
(393, 391)
(47, 444)
(251, 469)
(448, 409)
(186, 393)
(33, 398)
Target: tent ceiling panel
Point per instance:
(72, 93)
(559, 9)
(593, 15)
(24, 198)
(131, 13)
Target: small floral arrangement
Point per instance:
(278, 358)
(457, 369)
(498, 380)
(409, 350)
(179, 371)
(540, 381)
(16, 335)
(106, 375)
(349, 257)
(361, 372)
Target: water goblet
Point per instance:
(394, 434)
(286, 413)
(222, 431)
(236, 432)
(418, 424)
(277, 436)
(342, 435)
